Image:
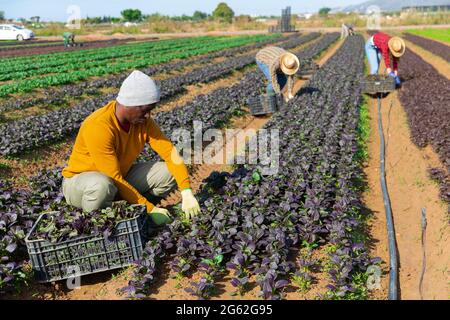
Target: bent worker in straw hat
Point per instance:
(102, 164)
(279, 67)
(347, 30)
(383, 45)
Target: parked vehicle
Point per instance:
(15, 32)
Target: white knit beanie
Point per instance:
(138, 89)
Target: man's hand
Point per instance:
(396, 78)
(398, 82)
(160, 216)
(288, 97)
(189, 204)
(392, 74)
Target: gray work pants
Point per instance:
(93, 190)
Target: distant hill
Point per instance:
(391, 5)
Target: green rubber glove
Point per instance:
(160, 216)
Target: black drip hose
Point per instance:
(393, 259)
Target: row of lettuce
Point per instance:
(55, 69)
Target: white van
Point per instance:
(15, 32)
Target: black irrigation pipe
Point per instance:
(393, 253)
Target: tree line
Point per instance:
(222, 12)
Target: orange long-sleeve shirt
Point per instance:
(101, 145)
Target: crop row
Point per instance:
(19, 208)
(434, 47)
(252, 223)
(13, 43)
(426, 99)
(62, 66)
(32, 132)
(58, 79)
(57, 95)
(15, 46)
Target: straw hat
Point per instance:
(289, 63)
(397, 46)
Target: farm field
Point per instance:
(316, 229)
(14, 49)
(436, 34)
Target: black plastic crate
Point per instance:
(307, 68)
(86, 254)
(265, 104)
(378, 84)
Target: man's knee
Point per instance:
(106, 187)
(166, 182)
(89, 191)
(99, 193)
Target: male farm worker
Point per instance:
(69, 39)
(347, 30)
(279, 67)
(381, 44)
(108, 143)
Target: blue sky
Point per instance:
(57, 9)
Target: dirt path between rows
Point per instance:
(104, 286)
(410, 189)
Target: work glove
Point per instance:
(396, 78)
(189, 204)
(160, 216)
(288, 97)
